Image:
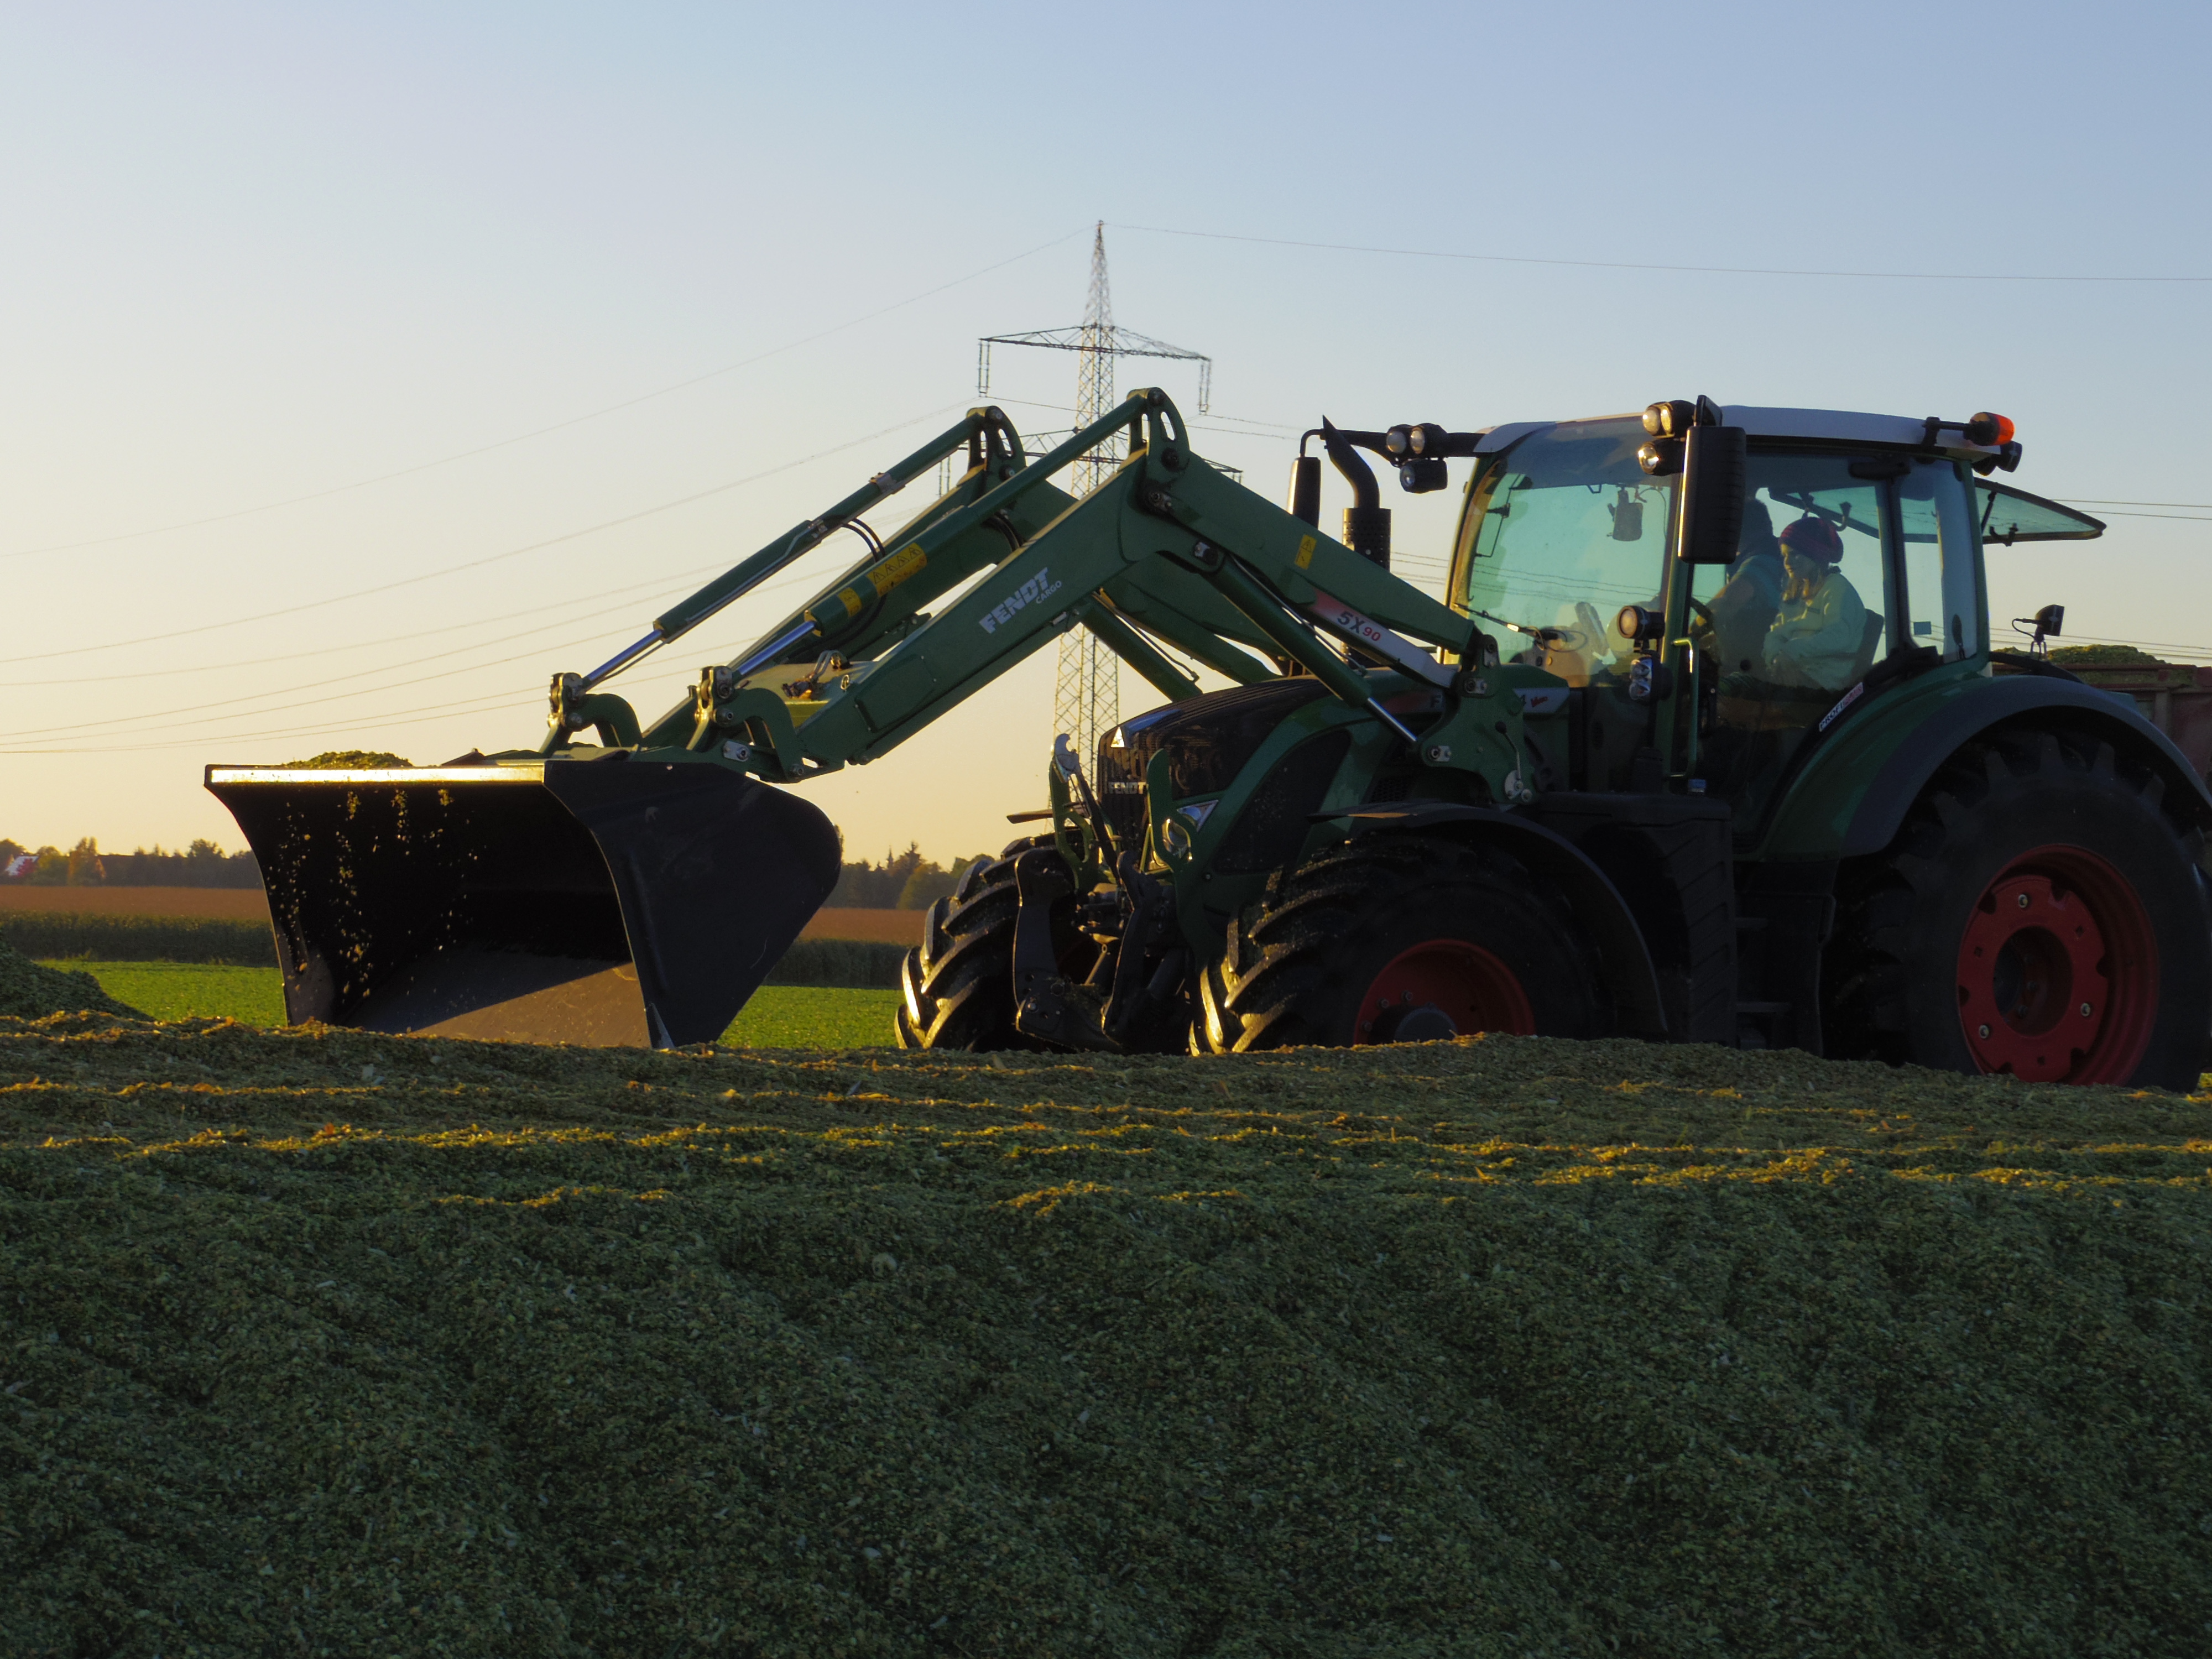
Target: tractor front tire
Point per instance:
(956, 987)
(1401, 938)
(2037, 914)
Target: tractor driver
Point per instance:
(1821, 623)
(1750, 596)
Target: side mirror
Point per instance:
(1713, 467)
(1305, 490)
(2047, 623)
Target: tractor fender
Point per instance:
(1621, 949)
(1913, 762)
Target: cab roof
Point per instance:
(1813, 425)
(2006, 513)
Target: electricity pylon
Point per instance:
(1087, 697)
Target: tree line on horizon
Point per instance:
(202, 863)
(901, 881)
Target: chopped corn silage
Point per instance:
(30, 989)
(323, 1342)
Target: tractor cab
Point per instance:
(1855, 563)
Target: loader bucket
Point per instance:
(605, 900)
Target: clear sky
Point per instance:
(302, 302)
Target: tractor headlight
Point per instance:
(1639, 622)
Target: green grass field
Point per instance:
(778, 1017)
(813, 1016)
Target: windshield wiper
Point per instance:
(1547, 635)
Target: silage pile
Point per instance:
(316, 1341)
(29, 990)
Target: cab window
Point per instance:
(1560, 533)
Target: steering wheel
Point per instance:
(1580, 637)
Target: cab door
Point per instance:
(1781, 643)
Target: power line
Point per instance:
(627, 590)
(2147, 645)
(2093, 500)
(489, 559)
(1208, 424)
(287, 694)
(540, 432)
(1628, 265)
(482, 705)
(325, 651)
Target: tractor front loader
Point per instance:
(1704, 743)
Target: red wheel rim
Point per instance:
(2058, 971)
(1462, 982)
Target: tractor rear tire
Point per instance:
(1401, 939)
(2038, 914)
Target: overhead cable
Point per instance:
(1637, 264)
(572, 603)
(557, 426)
(288, 696)
(491, 558)
(482, 705)
(2096, 501)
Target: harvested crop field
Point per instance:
(75, 935)
(882, 927)
(250, 904)
(216, 903)
(318, 1341)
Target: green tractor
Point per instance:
(1704, 743)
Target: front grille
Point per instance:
(1272, 826)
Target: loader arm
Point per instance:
(640, 889)
(1167, 548)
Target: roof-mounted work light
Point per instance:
(1420, 452)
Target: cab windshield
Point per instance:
(1561, 531)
